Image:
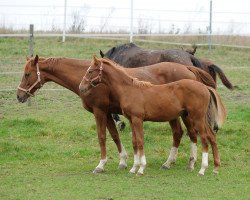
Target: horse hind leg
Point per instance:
(204, 140)
(177, 135)
(193, 138)
(121, 125)
(212, 140)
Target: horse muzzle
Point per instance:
(83, 89)
(22, 98)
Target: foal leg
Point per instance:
(204, 140)
(193, 147)
(177, 135)
(138, 145)
(101, 122)
(118, 121)
(212, 139)
(115, 136)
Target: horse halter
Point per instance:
(27, 91)
(98, 77)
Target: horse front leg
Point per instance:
(177, 135)
(115, 136)
(101, 123)
(138, 145)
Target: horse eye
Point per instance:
(26, 75)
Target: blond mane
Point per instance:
(141, 84)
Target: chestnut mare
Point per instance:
(69, 72)
(198, 105)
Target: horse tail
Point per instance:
(195, 61)
(216, 70)
(216, 114)
(202, 76)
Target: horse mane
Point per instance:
(141, 84)
(121, 47)
(51, 60)
(135, 81)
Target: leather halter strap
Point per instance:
(98, 77)
(27, 91)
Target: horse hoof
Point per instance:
(216, 172)
(190, 169)
(139, 174)
(164, 167)
(121, 126)
(98, 170)
(200, 174)
(122, 166)
(132, 171)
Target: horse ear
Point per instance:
(35, 60)
(101, 53)
(27, 58)
(95, 59)
(112, 51)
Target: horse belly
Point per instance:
(165, 111)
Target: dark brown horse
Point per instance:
(69, 72)
(130, 55)
(199, 106)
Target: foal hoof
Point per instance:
(164, 167)
(216, 172)
(190, 169)
(98, 170)
(121, 126)
(139, 174)
(200, 174)
(122, 166)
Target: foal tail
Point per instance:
(202, 76)
(216, 70)
(216, 114)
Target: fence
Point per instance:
(186, 27)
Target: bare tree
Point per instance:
(79, 20)
(105, 20)
(144, 26)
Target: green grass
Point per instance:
(48, 150)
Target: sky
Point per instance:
(178, 16)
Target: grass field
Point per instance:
(49, 149)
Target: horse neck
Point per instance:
(65, 72)
(116, 79)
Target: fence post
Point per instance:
(210, 27)
(64, 22)
(131, 22)
(31, 42)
